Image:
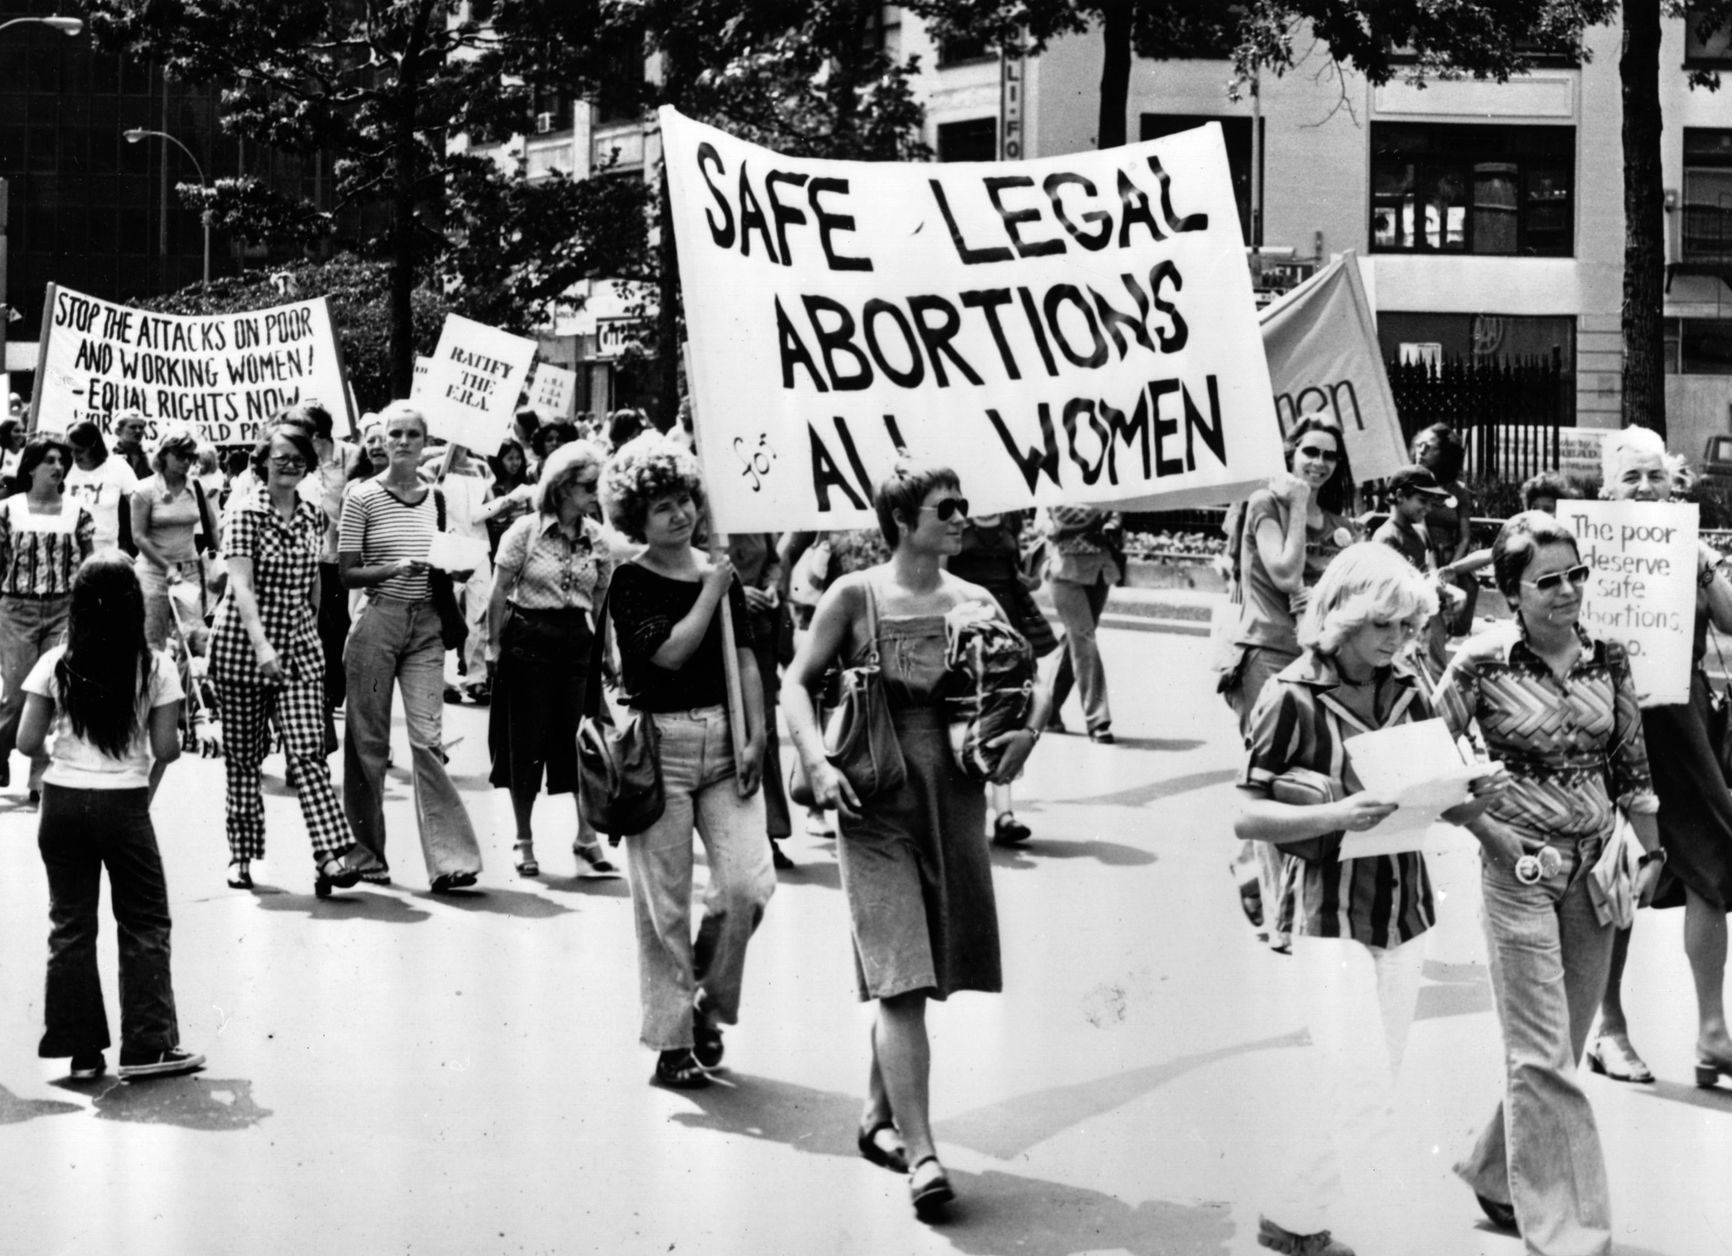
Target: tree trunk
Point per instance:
(406, 158)
(1644, 381)
(1115, 73)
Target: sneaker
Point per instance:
(170, 1063)
(87, 1067)
(1275, 1238)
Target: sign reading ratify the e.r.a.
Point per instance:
(1069, 329)
(1641, 589)
(472, 383)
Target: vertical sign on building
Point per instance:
(1011, 67)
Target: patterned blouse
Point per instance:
(552, 573)
(285, 559)
(1298, 722)
(39, 554)
(1573, 745)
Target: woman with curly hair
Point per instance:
(666, 607)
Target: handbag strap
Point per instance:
(871, 621)
(593, 707)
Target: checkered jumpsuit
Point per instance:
(285, 558)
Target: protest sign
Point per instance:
(1579, 452)
(1321, 342)
(1069, 329)
(226, 374)
(552, 389)
(418, 382)
(471, 388)
(1641, 588)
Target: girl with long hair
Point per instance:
(105, 708)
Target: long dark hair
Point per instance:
(106, 667)
(1336, 495)
(36, 451)
(504, 481)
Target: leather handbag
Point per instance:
(619, 765)
(453, 630)
(859, 737)
(1304, 788)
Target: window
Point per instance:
(963, 52)
(1493, 190)
(1706, 52)
(619, 95)
(1236, 132)
(973, 140)
(1698, 346)
(1707, 223)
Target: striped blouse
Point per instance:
(382, 528)
(1299, 723)
(40, 553)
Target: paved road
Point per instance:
(390, 1072)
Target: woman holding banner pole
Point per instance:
(1695, 807)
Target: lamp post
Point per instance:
(135, 134)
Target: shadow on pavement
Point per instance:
(1713, 1100)
(995, 1212)
(589, 887)
(1154, 791)
(382, 906)
(1113, 854)
(15, 1111)
(1157, 743)
(519, 903)
(212, 1104)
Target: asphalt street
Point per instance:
(391, 1072)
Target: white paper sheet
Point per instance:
(450, 552)
(1418, 767)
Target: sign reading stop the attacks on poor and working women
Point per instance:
(1641, 589)
(1070, 329)
(225, 374)
(470, 391)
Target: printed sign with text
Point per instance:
(551, 391)
(1068, 329)
(472, 384)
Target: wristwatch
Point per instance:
(1655, 856)
(1705, 577)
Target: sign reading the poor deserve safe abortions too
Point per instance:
(226, 374)
(473, 380)
(1641, 586)
(1071, 329)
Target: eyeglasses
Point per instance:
(288, 463)
(1322, 455)
(588, 486)
(1552, 581)
(949, 507)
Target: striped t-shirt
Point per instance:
(383, 528)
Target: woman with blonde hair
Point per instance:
(1357, 922)
(169, 513)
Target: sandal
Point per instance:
(1614, 1058)
(929, 1192)
(1007, 830)
(891, 1153)
(446, 882)
(240, 874)
(526, 865)
(335, 872)
(678, 1069)
(599, 864)
(706, 1035)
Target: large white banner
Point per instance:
(227, 374)
(1642, 586)
(1071, 329)
(472, 383)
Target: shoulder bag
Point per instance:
(619, 765)
(1305, 788)
(453, 630)
(859, 737)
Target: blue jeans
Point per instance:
(697, 761)
(29, 628)
(1541, 1151)
(83, 831)
(396, 643)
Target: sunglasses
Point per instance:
(288, 464)
(949, 508)
(1322, 455)
(1553, 581)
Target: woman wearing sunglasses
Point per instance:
(1695, 807)
(1558, 710)
(1285, 537)
(915, 865)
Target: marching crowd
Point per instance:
(314, 579)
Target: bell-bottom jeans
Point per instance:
(29, 628)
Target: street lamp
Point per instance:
(135, 134)
(65, 25)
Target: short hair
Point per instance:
(207, 457)
(623, 426)
(84, 434)
(404, 410)
(527, 419)
(129, 416)
(563, 464)
(1639, 441)
(1545, 484)
(1454, 452)
(315, 414)
(179, 439)
(904, 490)
(1336, 495)
(296, 435)
(648, 467)
(35, 450)
(1366, 581)
(1518, 541)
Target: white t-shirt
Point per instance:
(99, 491)
(76, 764)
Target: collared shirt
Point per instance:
(1298, 722)
(1572, 744)
(285, 558)
(39, 554)
(550, 572)
(1405, 539)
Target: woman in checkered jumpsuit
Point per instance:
(266, 660)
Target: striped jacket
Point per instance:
(1299, 723)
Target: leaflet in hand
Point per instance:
(1418, 767)
(450, 552)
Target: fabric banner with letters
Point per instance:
(1321, 342)
(1068, 329)
(226, 374)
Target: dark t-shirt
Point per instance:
(644, 607)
